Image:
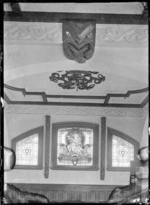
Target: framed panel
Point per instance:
(28, 148)
(121, 150)
(75, 146)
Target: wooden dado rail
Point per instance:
(70, 193)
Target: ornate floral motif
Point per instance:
(82, 80)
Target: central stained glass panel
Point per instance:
(75, 147)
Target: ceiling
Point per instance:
(33, 51)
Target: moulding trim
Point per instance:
(105, 104)
(76, 111)
(109, 35)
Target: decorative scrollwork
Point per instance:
(82, 80)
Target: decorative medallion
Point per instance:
(77, 79)
(27, 151)
(79, 40)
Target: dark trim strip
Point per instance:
(16, 8)
(7, 99)
(103, 140)
(59, 17)
(128, 93)
(47, 145)
(76, 96)
(145, 101)
(107, 97)
(75, 104)
(24, 92)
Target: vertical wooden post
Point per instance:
(47, 145)
(103, 141)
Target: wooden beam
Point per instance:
(59, 17)
(47, 145)
(15, 7)
(145, 9)
(16, 10)
(102, 152)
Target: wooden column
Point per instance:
(47, 145)
(102, 152)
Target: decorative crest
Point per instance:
(77, 79)
(79, 40)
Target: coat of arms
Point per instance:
(74, 148)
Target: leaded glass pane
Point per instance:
(27, 151)
(75, 147)
(122, 152)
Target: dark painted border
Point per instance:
(105, 104)
(16, 8)
(56, 126)
(110, 132)
(47, 145)
(59, 17)
(103, 140)
(38, 130)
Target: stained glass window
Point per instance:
(28, 148)
(27, 151)
(122, 152)
(75, 147)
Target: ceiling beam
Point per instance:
(59, 17)
(15, 7)
(145, 10)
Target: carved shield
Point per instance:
(79, 40)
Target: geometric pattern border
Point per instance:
(104, 104)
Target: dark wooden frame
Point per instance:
(103, 150)
(59, 17)
(110, 133)
(47, 145)
(95, 127)
(39, 131)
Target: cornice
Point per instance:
(73, 110)
(51, 33)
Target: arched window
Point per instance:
(121, 150)
(28, 148)
(75, 146)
